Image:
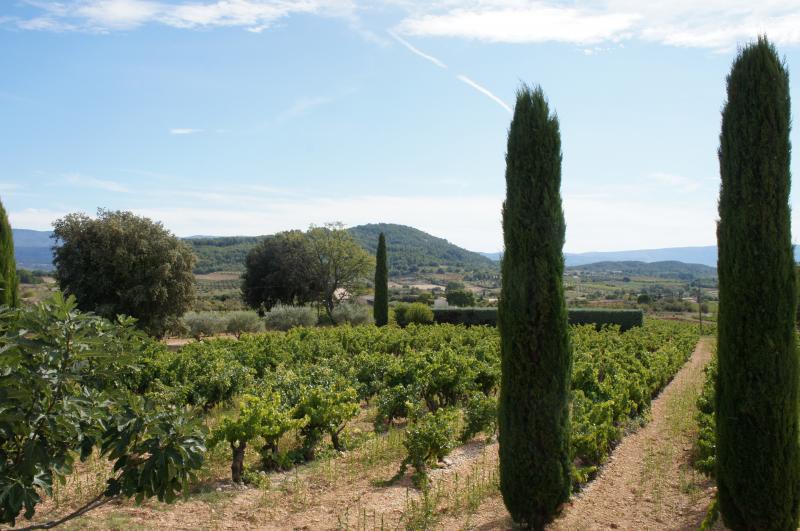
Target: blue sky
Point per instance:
(250, 117)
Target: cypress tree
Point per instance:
(381, 307)
(535, 349)
(8, 265)
(758, 467)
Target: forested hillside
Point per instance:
(666, 269)
(221, 253)
(409, 249)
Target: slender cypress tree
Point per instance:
(758, 458)
(8, 265)
(381, 308)
(535, 349)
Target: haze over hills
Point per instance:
(706, 255)
(665, 269)
(32, 249)
(409, 249)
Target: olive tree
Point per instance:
(339, 265)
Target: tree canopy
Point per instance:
(277, 270)
(323, 265)
(120, 263)
(339, 266)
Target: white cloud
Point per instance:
(595, 222)
(522, 22)
(110, 15)
(34, 218)
(486, 92)
(76, 179)
(712, 24)
(615, 222)
(416, 50)
(184, 131)
(469, 221)
(675, 182)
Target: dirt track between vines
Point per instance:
(648, 483)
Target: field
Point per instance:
(389, 392)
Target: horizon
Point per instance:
(498, 252)
(252, 117)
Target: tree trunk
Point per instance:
(337, 444)
(237, 462)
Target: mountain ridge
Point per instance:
(409, 249)
(704, 255)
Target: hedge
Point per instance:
(626, 319)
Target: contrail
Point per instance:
(416, 50)
(485, 92)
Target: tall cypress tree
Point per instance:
(535, 349)
(381, 307)
(758, 458)
(8, 265)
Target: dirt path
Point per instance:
(648, 483)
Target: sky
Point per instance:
(247, 117)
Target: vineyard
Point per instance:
(299, 416)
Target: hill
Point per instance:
(32, 249)
(409, 249)
(691, 255)
(666, 269)
(221, 253)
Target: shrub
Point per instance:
(705, 459)
(284, 317)
(626, 319)
(243, 322)
(259, 416)
(428, 440)
(460, 297)
(426, 298)
(467, 316)
(326, 403)
(353, 314)
(480, 415)
(393, 403)
(208, 372)
(203, 324)
(415, 312)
